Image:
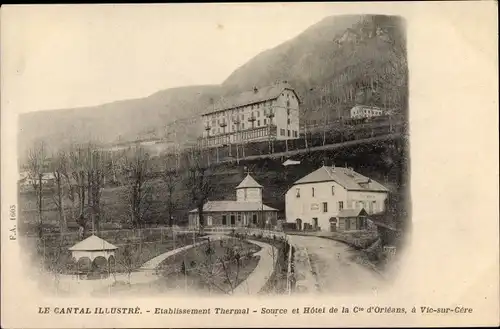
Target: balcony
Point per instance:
(236, 119)
(257, 134)
(269, 113)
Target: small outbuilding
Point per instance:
(93, 252)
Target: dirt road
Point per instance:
(335, 269)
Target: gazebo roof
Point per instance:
(93, 243)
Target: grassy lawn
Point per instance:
(211, 268)
(216, 267)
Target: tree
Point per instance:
(171, 179)
(138, 191)
(36, 165)
(199, 183)
(96, 174)
(88, 166)
(77, 163)
(59, 168)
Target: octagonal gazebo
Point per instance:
(93, 248)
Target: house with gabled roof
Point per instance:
(260, 114)
(334, 199)
(247, 210)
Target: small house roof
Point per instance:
(249, 182)
(221, 206)
(345, 177)
(352, 213)
(93, 243)
(291, 162)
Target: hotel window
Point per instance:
(242, 126)
(258, 123)
(325, 206)
(333, 190)
(313, 191)
(265, 121)
(341, 205)
(254, 219)
(288, 132)
(258, 113)
(288, 111)
(288, 121)
(297, 192)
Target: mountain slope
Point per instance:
(334, 64)
(336, 61)
(117, 121)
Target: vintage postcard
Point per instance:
(244, 165)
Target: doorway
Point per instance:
(333, 224)
(315, 223)
(233, 219)
(299, 224)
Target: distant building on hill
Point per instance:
(334, 199)
(260, 114)
(247, 211)
(363, 111)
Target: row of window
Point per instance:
(232, 219)
(242, 109)
(256, 125)
(289, 133)
(369, 206)
(297, 190)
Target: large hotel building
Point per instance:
(261, 114)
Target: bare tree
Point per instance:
(77, 161)
(138, 191)
(87, 168)
(59, 168)
(171, 179)
(36, 165)
(96, 174)
(199, 184)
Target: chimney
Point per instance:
(255, 90)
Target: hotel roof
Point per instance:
(256, 95)
(345, 177)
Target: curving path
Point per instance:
(335, 268)
(262, 272)
(147, 272)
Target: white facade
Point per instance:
(251, 194)
(323, 200)
(359, 111)
(276, 117)
(321, 195)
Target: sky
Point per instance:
(82, 55)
